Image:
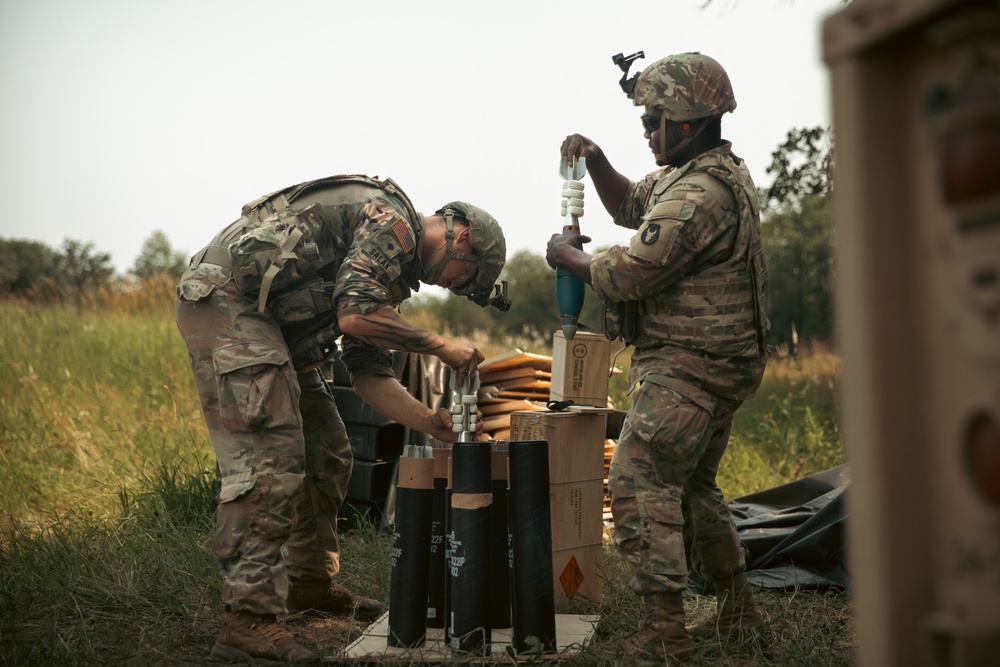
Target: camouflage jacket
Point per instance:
(312, 252)
(690, 290)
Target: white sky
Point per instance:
(121, 117)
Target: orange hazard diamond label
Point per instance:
(571, 577)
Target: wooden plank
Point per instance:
(514, 373)
(495, 407)
(511, 393)
(573, 633)
(497, 422)
(513, 359)
(523, 384)
(589, 409)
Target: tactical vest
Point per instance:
(721, 309)
(270, 232)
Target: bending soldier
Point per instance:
(260, 309)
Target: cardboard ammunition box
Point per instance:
(576, 440)
(576, 494)
(577, 513)
(576, 573)
(580, 368)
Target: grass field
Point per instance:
(107, 498)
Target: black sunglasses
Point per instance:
(650, 123)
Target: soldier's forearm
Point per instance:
(386, 329)
(611, 185)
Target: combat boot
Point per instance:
(328, 597)
(663, 635)
(254, 638)
(736, 617)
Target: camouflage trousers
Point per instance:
(281, 447)
(662, 481)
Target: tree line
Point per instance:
(33, 270)
(796, 228)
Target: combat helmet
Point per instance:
(488, 244)
(686, 86)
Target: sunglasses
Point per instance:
(650, 123)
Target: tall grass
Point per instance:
(108, 490)
(94, 399)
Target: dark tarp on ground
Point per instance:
(793, 534)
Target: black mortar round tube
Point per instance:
(500, 545)
(411, 543)
(533, 600)
(437, 575)
(469, 535)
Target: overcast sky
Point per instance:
(121, 117)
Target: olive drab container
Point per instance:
(916, 118)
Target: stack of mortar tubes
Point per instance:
(496, 568)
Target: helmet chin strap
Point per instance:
(664, 155)
(434, 272)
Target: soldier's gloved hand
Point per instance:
(561, 246)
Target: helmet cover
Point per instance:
(687, 86)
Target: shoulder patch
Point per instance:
(403, 234)
(651, 234)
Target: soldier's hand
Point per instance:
(577, 145)
(462, 357)
(557, 250)
(441, 426)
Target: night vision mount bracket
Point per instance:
(624, 63)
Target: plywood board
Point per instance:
(511, 393)
(523, 384)
(497, 422)
(573, 632)
(496, 407)
(513, 373)
(514, 359)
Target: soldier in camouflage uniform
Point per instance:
(260, 309)
(690, 293)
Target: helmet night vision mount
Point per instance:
(624, 63)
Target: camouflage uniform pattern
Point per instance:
(491, 249)
(281, 446)
(694, 261)
(686, 86)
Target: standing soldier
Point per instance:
(260, 309)
(690, 293)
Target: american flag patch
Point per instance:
(402, 232)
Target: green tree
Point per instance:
(798, 247)
(797, 233)
(23, 265)
(802, 165)
(77, 267)
(158, 256)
